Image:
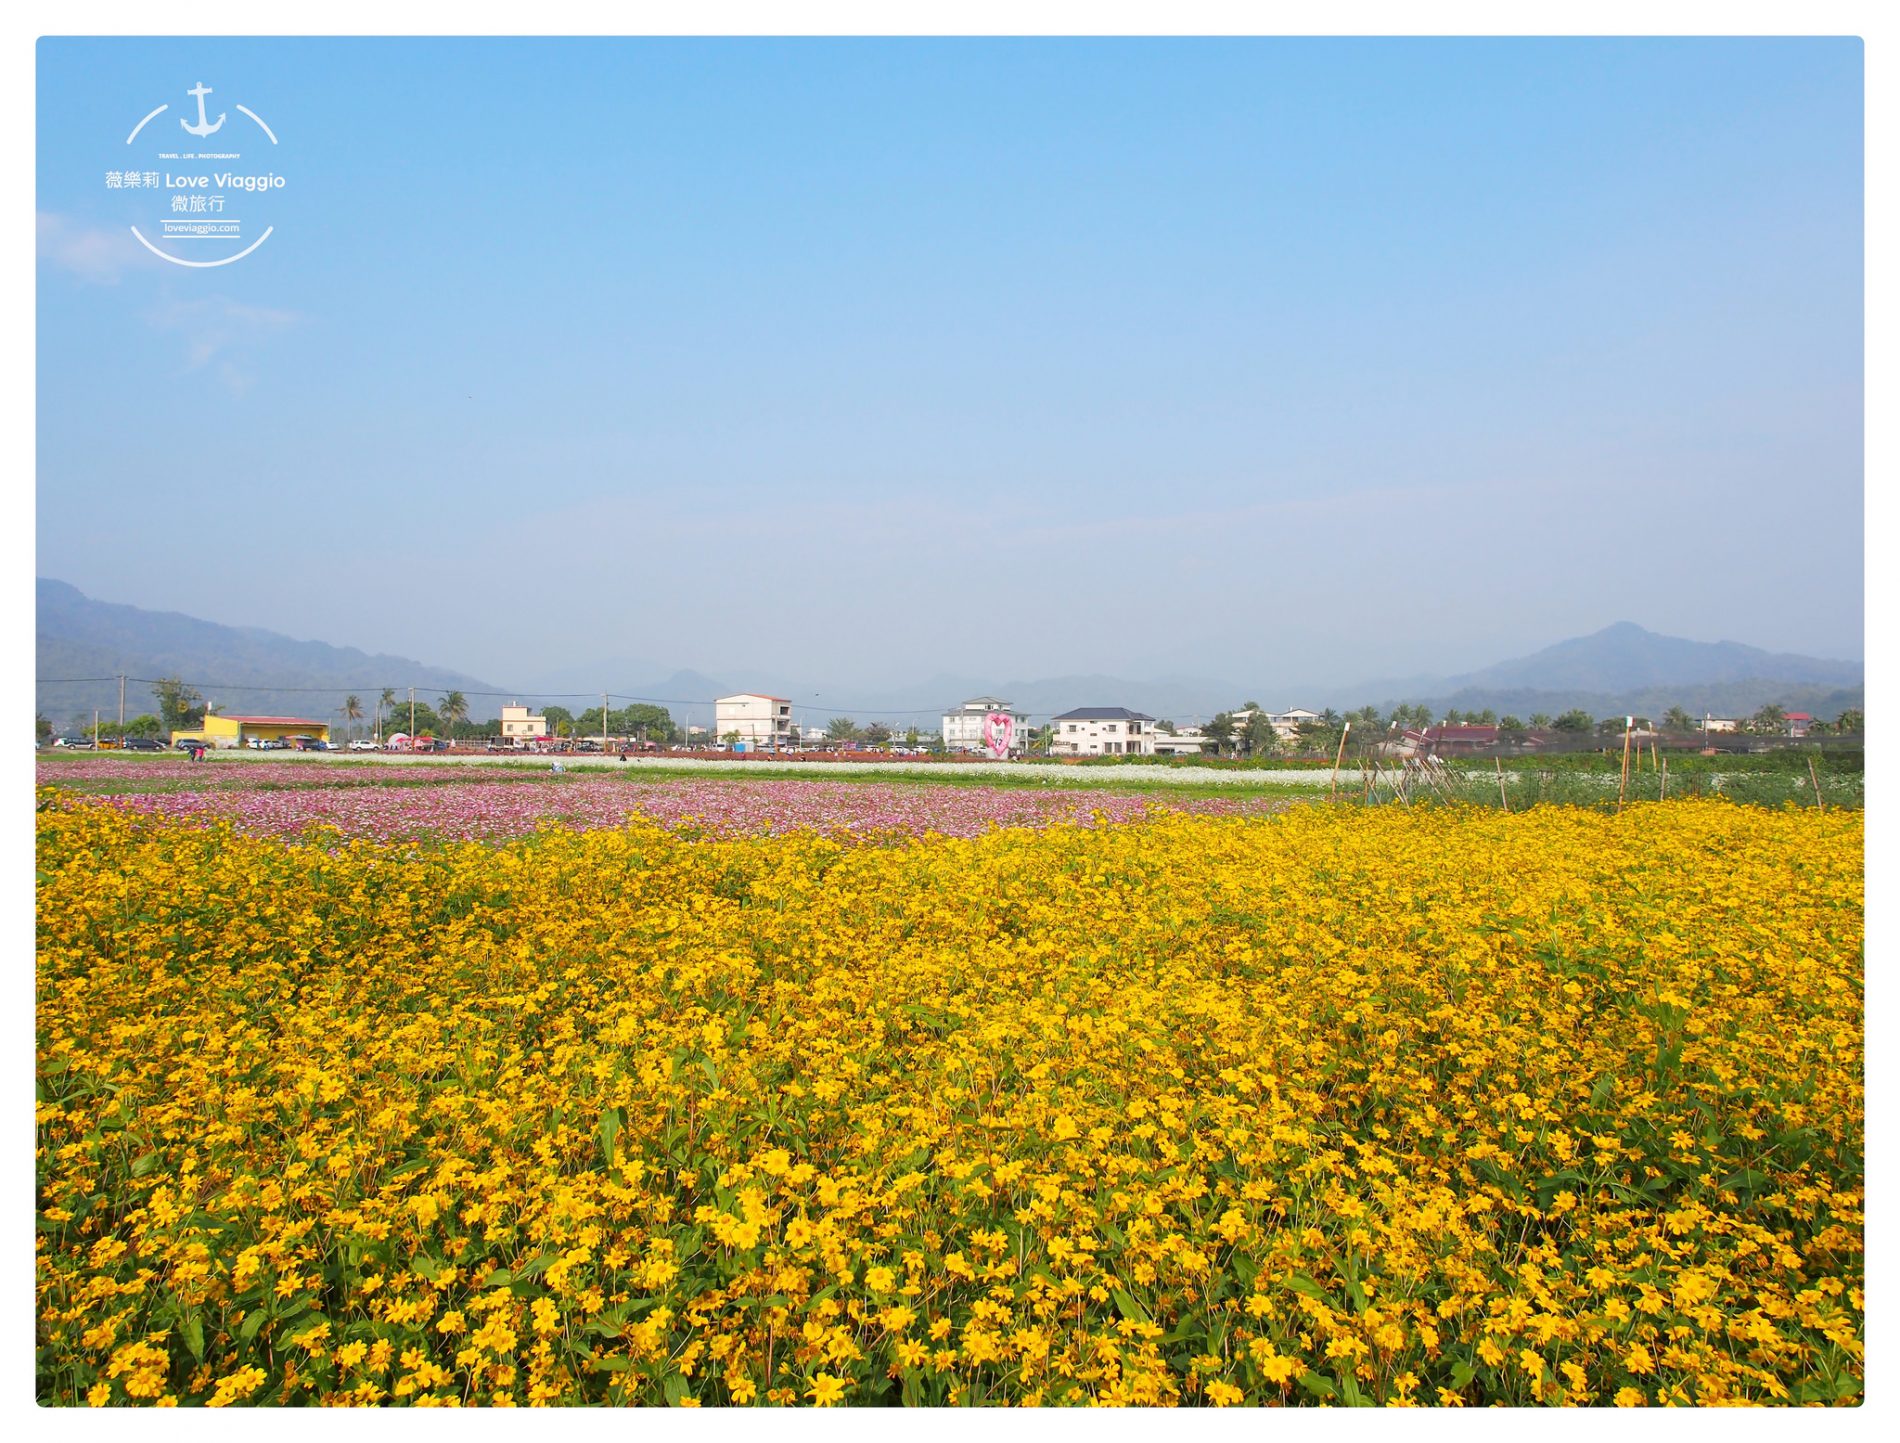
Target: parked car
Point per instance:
(310, 744)
(144, 744)
(364, 744)
(82, 744)
(586, 746)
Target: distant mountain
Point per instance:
(1623, 657)
(1625, 668)
(247, 669)
(1622, 668)
(623, 678)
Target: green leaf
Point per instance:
(1317, 1385)
(500, 1278)
(1461, 1376)
(192, 1330)
(144, 1164)
(252, 1323)
(1307, 1288)
(674, 1389)
(1349, 1389)
(1130, 1309)
(611, 1121)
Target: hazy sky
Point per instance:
(1297, 361)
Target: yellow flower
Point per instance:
(826, 1389)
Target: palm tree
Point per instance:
(1677, 720)
(384, 704)
(453, 711)
(352, 708)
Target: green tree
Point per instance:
(42, 728)
(910, 736)
(427, 722)
(1540, 719)
(453, 709)
(1677, 721)
(1220, 731)
(1510, 729)
(841, 729)
(1769, 720)
(180, 708)
(1258, 738)
(385, 706)
(1574, 720)
(877, 734)
(1850, 722)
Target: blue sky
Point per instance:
(1280, 361)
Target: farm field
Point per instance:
(1433, 1106)
(434, 802)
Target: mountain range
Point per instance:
(241, 669)
(1622, 668)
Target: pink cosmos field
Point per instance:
(287, 799)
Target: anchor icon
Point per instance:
(201, 90)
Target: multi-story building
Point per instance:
(520, 726)
(963, 727)
(1110, 731)
(758, 721)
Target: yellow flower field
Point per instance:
(1400, 1107)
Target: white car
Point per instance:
(362, 744)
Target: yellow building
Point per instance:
(520, 725)
(239, 731)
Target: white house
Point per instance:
(1095, 731)
(963, 726)
(520, 726)
(1182, 742)
(763, 723)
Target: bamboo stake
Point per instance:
(1340, 757)
(1623, 786)
(1503, 800)
(1815, 778)
(1663, 795)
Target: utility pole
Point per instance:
(603, 723)
(412, 718)
(95, 728)
(121, 705)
